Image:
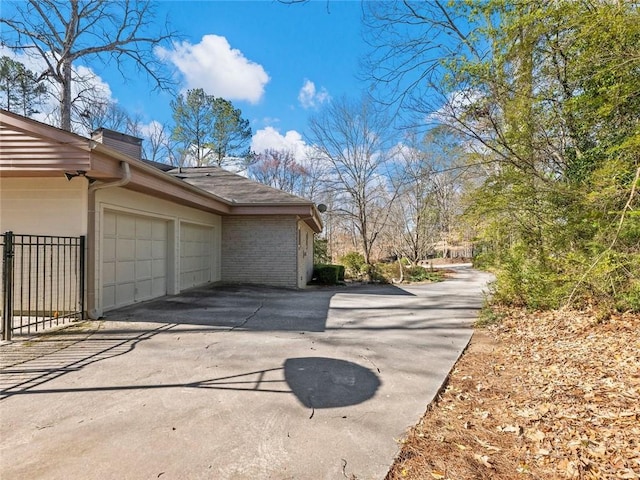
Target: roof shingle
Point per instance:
(235, 188)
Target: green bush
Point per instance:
(354, 264)
(341, 271)
(421, 274)
(321, 251)
(388, 272)
(630, 299)
(385, 272)
(326, 274)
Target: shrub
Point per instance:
(321, 251)
(354, 264)
(341, 272)
(421, 274)
(388, 272)
(326, 274)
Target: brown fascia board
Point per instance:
(307, 212)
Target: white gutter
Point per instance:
(126, 178)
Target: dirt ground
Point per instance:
(536, 395)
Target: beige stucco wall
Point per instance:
(43, 206)
(260, 250)
(305, 254)
(126, 201)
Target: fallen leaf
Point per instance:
(536, 436)
(484, 459)
(510, 429)
(487, 445)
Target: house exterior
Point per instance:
(149, 232)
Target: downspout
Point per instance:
(92, 312)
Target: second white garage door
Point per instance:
(134, 259)
(196, 255)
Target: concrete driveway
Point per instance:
(235, 383)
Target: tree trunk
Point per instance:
(65, 101)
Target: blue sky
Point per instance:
(286, 61)
(278, 63)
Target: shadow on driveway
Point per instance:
(26, 366)
(250, 308)
(317, 382)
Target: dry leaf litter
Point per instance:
(540, 396)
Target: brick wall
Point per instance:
(260, 250)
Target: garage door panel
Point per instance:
(158, 249)
(125, 294)
(134, 258)
(159, 287)
(109, 272)
(196, 253)
(109, 296)
(143, 270)
(125, 271)
(159, 231)
(109, 249)
(159, 268)
(125, 249)
(109, 224)
(143, 249)
(143, 228)
(125, 226)
(143, 290)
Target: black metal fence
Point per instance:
(42, 282)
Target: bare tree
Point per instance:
(353, 137)
(62, 32)
(412, 230)
(278, 169)
(157, 143)
(313, 184)
(104, 114)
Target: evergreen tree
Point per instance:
(20, 90)
(209, 129)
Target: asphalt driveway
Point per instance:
(235, 383)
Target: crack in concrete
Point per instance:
(255, 312)
(371, 362)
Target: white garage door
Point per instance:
(134, 259)
(196, 251)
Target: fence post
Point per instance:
(7, 286)
(82, 276)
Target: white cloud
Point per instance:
(271, 139)
(217, 68)
(309, 97)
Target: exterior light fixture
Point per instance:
(78, 173)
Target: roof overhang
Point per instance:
(32, 149)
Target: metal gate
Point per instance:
(42, 282)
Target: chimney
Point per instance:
(122, 142)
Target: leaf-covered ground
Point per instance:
(539, 396)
